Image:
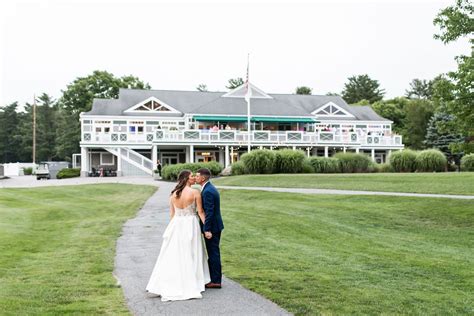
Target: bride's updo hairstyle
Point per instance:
(182, 181)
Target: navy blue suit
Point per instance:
(212, 209)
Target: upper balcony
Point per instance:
(240, 138)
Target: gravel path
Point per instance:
(137, 250)
(346, 192)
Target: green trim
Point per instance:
(254, 119)
(284, 119)
(120, 122)
(220, 118)
(152, 123)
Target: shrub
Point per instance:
(307, 166)
(431, 160)
(384, 167)
(238, 168)
(352, 162)
(171, 172)
(28, 171)
(324, 165)
(289, 161)
(68, 173)
(259, 161)
(403, 161)
(467, 163)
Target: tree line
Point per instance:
(435, 113)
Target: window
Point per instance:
(140, 129)
(98, 129)
(107, 129)
(132, 129)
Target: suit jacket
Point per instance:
(212, 208)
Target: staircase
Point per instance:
(133, 163)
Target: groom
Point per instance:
(212, 227)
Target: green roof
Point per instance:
(220, 118)
(283, 119)
(254, 119)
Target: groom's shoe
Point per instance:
(211, 285)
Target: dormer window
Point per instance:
(331, 109)
(152, 105)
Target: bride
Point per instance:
(181, 270)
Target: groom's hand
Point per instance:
(208, 235)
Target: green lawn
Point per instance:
(57, 247)
(442, 183)
(326, 254)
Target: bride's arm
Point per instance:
(200, 210)
(171, 208)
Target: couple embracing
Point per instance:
(184, 269)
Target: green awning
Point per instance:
(283, 119)
(273, 119)
(203, 118)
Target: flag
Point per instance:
(248, 93)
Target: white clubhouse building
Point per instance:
(130, 134)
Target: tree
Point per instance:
(437, 135)
(417, 116)
(420, 89)
(303, 90)
(456, 22)
(234, 83)
(10, 138)
(332, 94)
(79, 95)
(362, 87)
(393, 110)
(46, 123)
(202, 87)
(78, 98)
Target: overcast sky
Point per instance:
(45, 45)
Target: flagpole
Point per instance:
(248, 95)
(34, 130)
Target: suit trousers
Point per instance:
(214, 254)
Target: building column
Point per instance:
(186, 152)
(154, 156)
(119, 165)
(326, 154)
(84, 162)
(221, 156)
(357, 150)
(308, 152)
(191, 153)
(294, 147)
(344, 149)
(387, 157)
(314, 152)
(227, 156)
(372, 153)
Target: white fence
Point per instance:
(16, 168)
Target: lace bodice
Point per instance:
(187, 211)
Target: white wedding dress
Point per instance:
(181, 270)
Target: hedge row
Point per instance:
(425, 161)
(467, 162)
(68, 173)
(171, 172)
(295, 161)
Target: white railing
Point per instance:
(241, 138)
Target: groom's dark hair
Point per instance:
(204, 172)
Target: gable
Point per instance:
(331, 109)
(241, 91)
(152, 105)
